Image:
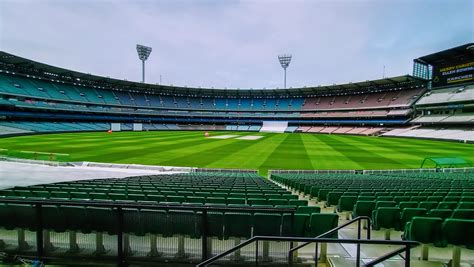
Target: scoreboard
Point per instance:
(453, 73)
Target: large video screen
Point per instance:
(453, 73)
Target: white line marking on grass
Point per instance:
(250, 137)
(223, 136)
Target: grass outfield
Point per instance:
(273, 151)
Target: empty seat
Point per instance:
(447, 205)
(407, 204)
(346, 203)
(439, 213)
(459, 232)
(237, 225)
(266, 224)
(297, 202)
(428, 205)
(363, 208)
(300, 225)
(467, 214)
(308, 210)
(321, 223)
(380, 204)
(424, 230)
(386, 217)
(408, 213)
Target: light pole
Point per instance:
(284, 62)
(143, 53)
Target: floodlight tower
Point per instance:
(143, 53)
(284, 62)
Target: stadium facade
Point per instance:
(35, 97)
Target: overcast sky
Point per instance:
(234, 44)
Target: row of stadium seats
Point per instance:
(448, 95)
(396, 218)
(340, 130)
(40, 89)
(169, 222)
(466, 134)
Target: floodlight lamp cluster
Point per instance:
(143, 52)
(284, 60)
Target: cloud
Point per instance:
(235, 44)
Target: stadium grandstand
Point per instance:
(371, 212)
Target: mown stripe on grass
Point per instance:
(154, 154)
(331, 158)
(364, 157)
(202, 156)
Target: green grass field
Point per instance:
(273, 151)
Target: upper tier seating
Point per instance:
(448, 95)
(431, 133)
(383, 99)
(40, 90)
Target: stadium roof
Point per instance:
(23, 66)
(459, 53)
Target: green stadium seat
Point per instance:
(381, 204)
(216, 200)
(53, 219)
(257, 201)
(177, 199)
(155, 222)
(363, 208)
(333, 197)
(407, 204)
(197, 200)
(266, 224)
(184, 223)
(300, 225)
(215, 222)
(366, 198)
(117, 196)
(235, 201)
(76, 218)
(297, 202)
(102, 220)
(447, 205)
(428, 205)
(320, 223)
(237, 225)
(137, 197)
(98, 196)
(8, 220)
(408, 213)
(439, 213)
(157, 198)
(418, 199)
(434, 198)
(384, 198)
(308, 209)
(60, 194)
(424, 230)
(346, 203)
(458, 232)
(386, 218)
(465, 205)
(467, 214)
(275, 202)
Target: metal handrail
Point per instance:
(407, 244)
